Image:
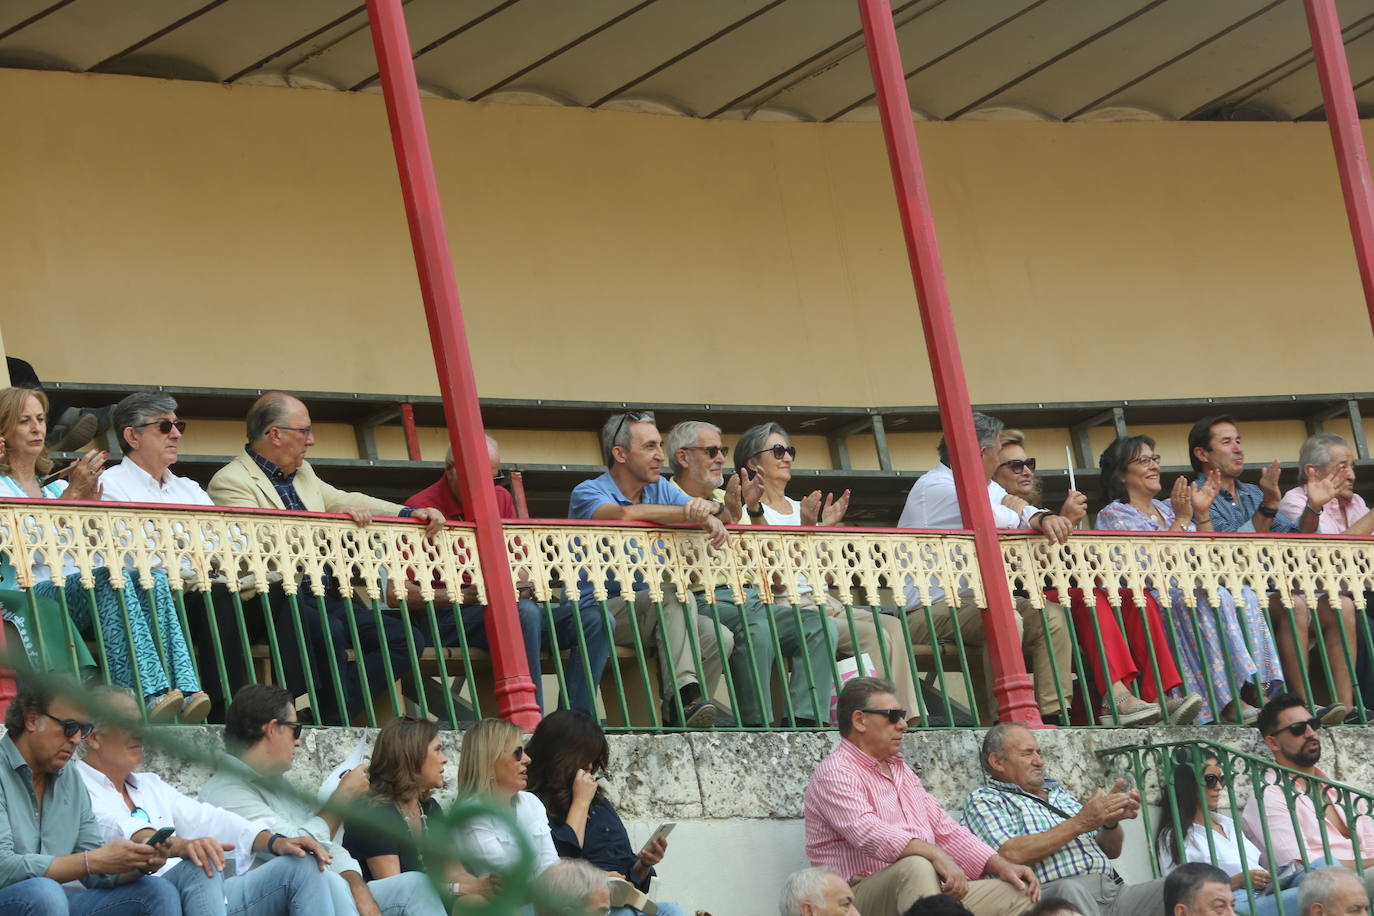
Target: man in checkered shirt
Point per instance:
(1032, 820)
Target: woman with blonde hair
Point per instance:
(493, 767)
(168, 681)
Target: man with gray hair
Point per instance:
(934, 503)
(1333, 891)
(571, 887)
(633, 489)
(149, 434)
(1032, 820)
(1324, 502)
(817, 892)
(697, 460)
(868, 817)
(582, 679)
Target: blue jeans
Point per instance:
(534, 625)
(664, 909)
(285, 885)
(45, 897)
(407, 894)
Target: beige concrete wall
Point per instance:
(251, 237)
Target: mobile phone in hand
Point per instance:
(661, 833)
(161, 836)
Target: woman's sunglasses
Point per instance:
(518, 753)
(1018, 465)
(778, 451)
(164, 426)
(1211, 779)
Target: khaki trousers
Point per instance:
(1034, 641)
(892, 891)
(674, 648)
(894, 642)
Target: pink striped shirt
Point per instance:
(859, 819)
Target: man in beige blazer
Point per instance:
(272, 473)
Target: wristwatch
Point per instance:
(1268, 512)
(752, 513)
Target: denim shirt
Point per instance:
(1236, 514)
(30, 840)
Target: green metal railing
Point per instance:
(1163, 772)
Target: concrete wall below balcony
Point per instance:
(737, 798)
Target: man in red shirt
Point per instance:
(869, 818)
(443, 495)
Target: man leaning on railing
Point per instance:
(1293, 734)
(1031, 819)
(272, 473)
(934, 503)
(633, 489)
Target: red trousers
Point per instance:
(1128, 653)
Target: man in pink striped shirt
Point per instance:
(869, 818)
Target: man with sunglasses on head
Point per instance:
(444, 495)
(633, 489)
(697, 460)
(1293, 734)
(134, 805)
(48, 833)
(870, 819)
(272, 473)
(934, 503)
(261, 734)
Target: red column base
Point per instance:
(510, 692)
(1015, 695)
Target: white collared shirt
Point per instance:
(166, 807)
(126, 482)
(488, 844)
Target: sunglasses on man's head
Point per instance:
(893, 715)
(631, 416)
(1018, 465)
(777, 451)
(164, 426)
(70, 727)
(1298, 729)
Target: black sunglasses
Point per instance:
(1018, 465)
(1298, 729)
(712, 451)
(294, 726)
(778, 451)
(1211, 779)
(519, 753)
(164, 426)
(70, 727)
(893, 715)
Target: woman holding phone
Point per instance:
(569, 752)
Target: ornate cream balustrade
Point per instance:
(305, 561)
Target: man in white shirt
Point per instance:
(261, 733)
(934, 503)
(132, 806)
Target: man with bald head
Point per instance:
(272, 473)
(582, 678)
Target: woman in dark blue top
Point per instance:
(568, 750)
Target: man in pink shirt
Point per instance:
(1292, 733)
(869, 818)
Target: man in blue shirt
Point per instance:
(1214, 443)
(633, 489)
(48, 834)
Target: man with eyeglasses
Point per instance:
(633, 489)
(869, 818)
(1032, 819)
(48, 833)
(1293, 734)
(697, 459)
(443, 495)
(934, 503)
(261, 734)
(272, 473)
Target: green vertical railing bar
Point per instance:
(726, 673)
(307, 669)
(241, 622)
(129, 639)
(99, 631)
(1232, 681)
(1109, 694)
(180, 600)
(963, 666)
(916, 670)
(469, 679)
(608, 624)
(556, 653)
(386, 660)
(939, 665)
(159, 641)
(441, 663)
(221, 663)
(269, 618)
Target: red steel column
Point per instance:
(1333, 69)
(1012, 685)
(434, 263)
